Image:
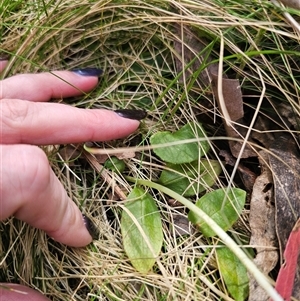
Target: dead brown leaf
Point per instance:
(233, 101)
(181, 224)
(262, 132)
(232, 94)
(262, 224)
(69, 153)
(286, 111)
(188, 46)
(285, 164)
(121, 156)
(291, 3)
(248, 177)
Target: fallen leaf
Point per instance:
(285, 165)
(262, 133)
(188, 47)
(232, 95)
(69, 154)
(141, 229)
(122, 155)
(234, 273)
(247, 176)
(180, 224)
(233, 101)
(286, 277)
(262, 224)
(287, 111)
(291, 3)
(224, 208)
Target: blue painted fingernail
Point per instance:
(90, 226)
(88, 71)
(132, 114)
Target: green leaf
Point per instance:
(115, 164)
(141, 229)
(181, 153)
(223, 209)
(234, 274)
(191, 178)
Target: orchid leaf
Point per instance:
(234, 274)
(141, 229)
(223, 205)
(181, 152)
(191, 178)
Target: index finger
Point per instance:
(52, 123)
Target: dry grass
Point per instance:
(133, 41)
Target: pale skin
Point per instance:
(29, 189)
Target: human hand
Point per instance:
(29, 189)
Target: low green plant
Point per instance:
(141, 221)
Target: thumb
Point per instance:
(39, 198)
(17, 292)
(3, 61)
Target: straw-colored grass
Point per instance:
(133, 41)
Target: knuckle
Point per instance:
(15, 110)
(14, 114)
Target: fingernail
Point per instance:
(90, 226)
(4, 56)
(88, 71)
(132, 114)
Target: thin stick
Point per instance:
(104, 174)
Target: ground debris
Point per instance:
(188, 46)
(233, 101)
(285, 165)
(262, 224)
(192, 50)
(248, 177)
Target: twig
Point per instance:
(104, 174)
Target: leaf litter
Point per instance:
(285, 164)
(285, 168)
(233, 101)
(236, 129)
(262, 225)
(286, 284)
(188, 49)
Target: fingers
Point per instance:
(38, 197)
(44, 86)
(51, 123)
(3, 64)
(17, 292)
(3, 60)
